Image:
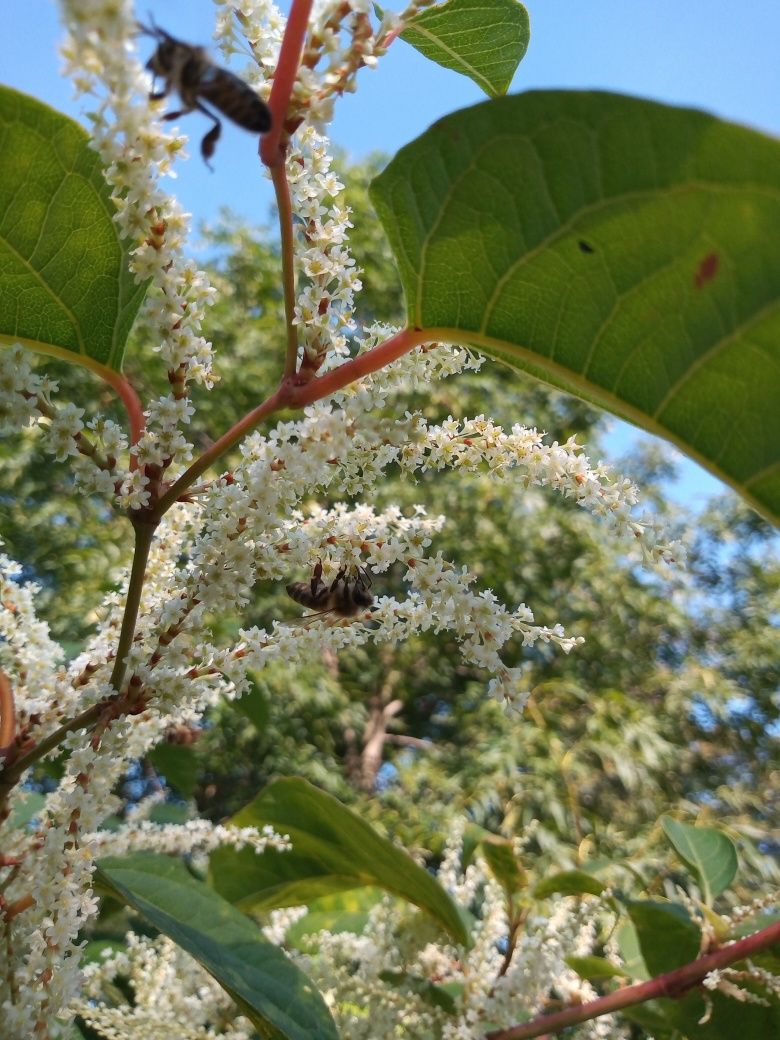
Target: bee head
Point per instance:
(162, 59)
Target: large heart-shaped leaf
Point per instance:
(333, 850)
(67, 289)
(625, 251)
(708, 852)
(276, 997)
(485, 42)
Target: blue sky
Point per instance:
(709, 54)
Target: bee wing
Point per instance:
(306, 619)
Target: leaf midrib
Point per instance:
(438, 41)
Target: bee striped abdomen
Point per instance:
(235, 99)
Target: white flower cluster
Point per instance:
(31, 658)
(261, 24)
(341, 40)
(172, 996)
(437, 988)
(101, 55)
(328, 278)
(486, 992)
(93, 449)
(195, 837)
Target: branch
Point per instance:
(271, 404)
(12, 773)
(132, 403)
(672, 985)
(144, 533)
(284, 79)
(284, 206)
(7, 716)
(404, 741)
(364, 364)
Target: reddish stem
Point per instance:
(672, 985)
(284, 205)
(132, 403)
(380, 356)
(13, 910)
(7, 716)
(293, 395)
(284, 80)
(219, 447)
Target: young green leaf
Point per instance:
(276, 997)
(622, 250)
(504, 865)
(333, 850)
(67, 290)
(485, 42)
(595, 967)
(710, 854)
(569, 883)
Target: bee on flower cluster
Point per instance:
(188, 70)
(344, 597)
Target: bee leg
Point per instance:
(315, 578)
(209, 142)
(340, 577)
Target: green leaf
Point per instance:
(341, 912)
(67, 290)
(429, 992)
(668, 938)
(595, 968)
(27, 806)
(569, 883)
(169, 812)
(504, 864)
(485, 42)
(728, 1018)
(333, 850)
(178, 764)
(708, 852)
(622, 250)
(95, 950)
(277, 997)
(255, 706)
(628, 944)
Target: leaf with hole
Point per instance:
(622, 250)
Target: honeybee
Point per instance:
(188, 71)
(345, 597)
